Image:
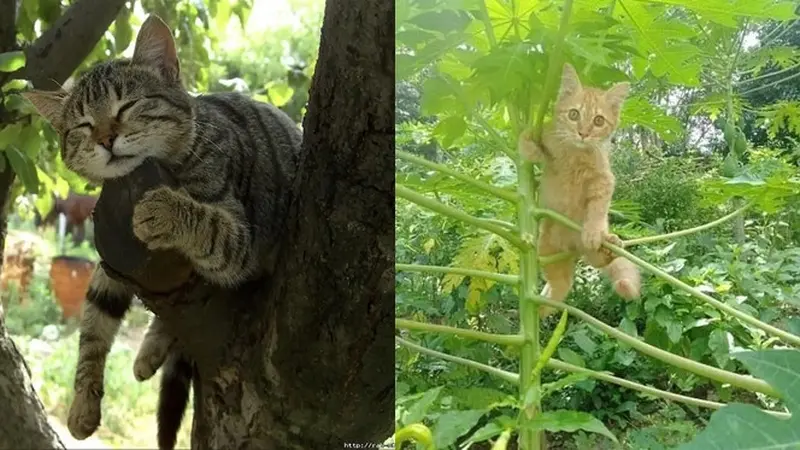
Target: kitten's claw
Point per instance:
(84, 414)
(614, 240)
(153, 219)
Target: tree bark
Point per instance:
(304, 359)
(50, 60)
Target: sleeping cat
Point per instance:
(233, 159)
(578, 183)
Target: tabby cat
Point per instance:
(233, 159)
(577, 182)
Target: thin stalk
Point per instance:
(604, 376)
(769, 85)
(489, 189)
(688, 231)
(499, 373)
(529, 438)
(500, 339)
(435, 206)
(499, 277)
(767, 75)
(509, 226)
(744, 317)
(723, 376)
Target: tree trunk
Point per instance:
(303, 360)
(50, 60)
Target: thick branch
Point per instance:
(52, 58)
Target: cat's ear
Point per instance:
(570, 83)
(616, 95)
(155, 47)
(49, 104)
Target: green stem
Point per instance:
(552, 344)
(499, 277)
(744, 317)
(768, 75)
(441, 208)
(603, 376)
(769, 85)
(529, 438)
(508, 226)
(496, 191)
(720, 221)
(743, 381)
(499, 373)
(500, 339)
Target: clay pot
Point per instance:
(69, 277)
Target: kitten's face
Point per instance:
(120, 113)
(587, 117)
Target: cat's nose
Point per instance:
(583, 134)
(107, 141)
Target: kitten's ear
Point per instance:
(155, 47)
(617, 94)
(570, 83)
(49, 104)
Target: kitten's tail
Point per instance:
(624, 277)
(176, 378)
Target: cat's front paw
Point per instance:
(592, 237)
(84, 413)
(154, 220)
(613, 239)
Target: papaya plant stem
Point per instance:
(509, 226)
(441, 208)
(744, 317)
(500, 339)
(723, 376)
(688, 231)
(493, 190)
(607, 377)
(499, 277)
(530, 386)
(499, 373)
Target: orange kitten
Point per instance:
(577, 182)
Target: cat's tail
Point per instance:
(625, 278)
(176, 379)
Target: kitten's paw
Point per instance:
(592, 238)
(148, 361)
(154, 219)
(84, 414)
(614, 240)
(545, 311)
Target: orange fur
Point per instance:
(578, 183)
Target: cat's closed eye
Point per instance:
(574, 114)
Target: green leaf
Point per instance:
(12, 61)
(450, 129)
(571, 357)
(24, 168)
(727, 12)
(570, 421)
(561, 383)
(279, 93)
(123, 32)
(418, 410)
(451, 425)
(746, 427)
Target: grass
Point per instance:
(50, 347)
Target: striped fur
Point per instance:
(234, 160)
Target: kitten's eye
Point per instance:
(574, 114)
(599, 121)
(124, 108)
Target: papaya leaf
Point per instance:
(24, 167)
(570, 421)
(746, 427)
(12, 61)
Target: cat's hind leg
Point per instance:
(558, 274)
(156, 345)
(107, 301)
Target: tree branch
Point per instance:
(52, 58)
